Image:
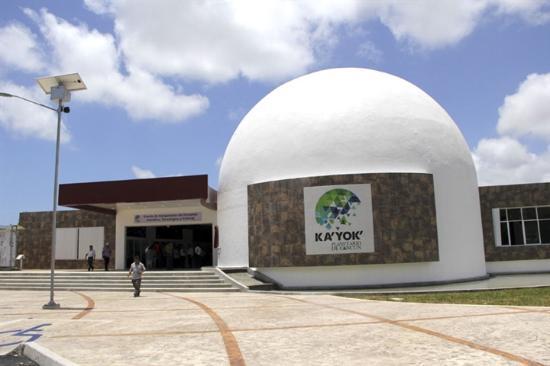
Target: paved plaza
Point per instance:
(113, 328)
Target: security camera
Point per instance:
(66, 109)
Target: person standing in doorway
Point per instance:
(90, 257)
(169, 255)
(189, 258)
(198, 256)
(136, 271)
(106, 254)
(158, 255)
(149, 256)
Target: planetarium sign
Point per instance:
(338, 219)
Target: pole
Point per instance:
(52, 304)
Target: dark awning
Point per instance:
(103, 196)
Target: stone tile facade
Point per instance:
(517, 195)
(35, 240)
(405, 228)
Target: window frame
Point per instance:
(498, 221)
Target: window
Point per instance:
(522, 225)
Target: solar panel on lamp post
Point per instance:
(59, 88)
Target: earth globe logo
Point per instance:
(336, 207)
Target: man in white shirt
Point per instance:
(136, 271)
(90, 256)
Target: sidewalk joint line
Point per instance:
(231, 345)
(89, 307)
(461, 341)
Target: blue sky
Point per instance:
(169, 81)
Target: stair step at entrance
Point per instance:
(121, 278)
(105, 274)
(100, 283)
(126, 289)
(185, 281)
(117, 285)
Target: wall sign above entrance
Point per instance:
(338, 219)
(171, 217)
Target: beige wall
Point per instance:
(125, 218)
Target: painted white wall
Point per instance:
(125, 217)
(74, 243)
(91, 236)
(65, 243)
(359, 275)
(233, 230)
(350, 121)
(533, 265)
(7, 253)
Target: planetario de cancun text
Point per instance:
(342, 178)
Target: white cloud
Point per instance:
(217, 41)
(140, 173)
(236, 114)
(527, 112)
(96, 57)
(505, 161)
(219, 161)
(533, 11)
(370, 52)
(19, 48)
(98, 6)
(214, 41)
(431, 23)
(25, 119)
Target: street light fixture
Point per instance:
(59, 88)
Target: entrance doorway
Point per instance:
(170, 247)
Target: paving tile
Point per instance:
(269, 329)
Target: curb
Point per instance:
(43, 356)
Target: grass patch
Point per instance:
(539, 296)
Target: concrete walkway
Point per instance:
(113, 328)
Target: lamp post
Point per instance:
(59, 88)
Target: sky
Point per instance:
(169, 80)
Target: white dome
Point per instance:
(349, 121)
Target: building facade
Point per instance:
(169, 222)
(340, 178)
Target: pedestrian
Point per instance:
(198, 256)
(106, 254)
(149, 256)
(136, 271)
(169, 255)
(90, 256)
(190, 256)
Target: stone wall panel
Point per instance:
(517, 195)
(35, 240)
(404, 218)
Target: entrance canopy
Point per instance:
(106, 196)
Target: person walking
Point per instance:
(106, 254)
(136, 271)
(90, 256)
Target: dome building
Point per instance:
(350, 177)
(340, 178)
